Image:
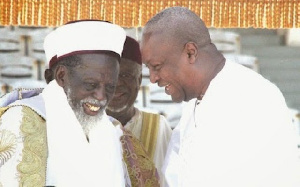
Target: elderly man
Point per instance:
(150, 128)
(236, 130)
(63, 137)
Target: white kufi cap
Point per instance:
(81, 36)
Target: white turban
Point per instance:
(83, 36)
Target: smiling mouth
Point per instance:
(167, 87)
(92, 107)
(119, 94)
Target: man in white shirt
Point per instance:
(235, 130)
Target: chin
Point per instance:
(188, 99)
(177, 99)
(116, 109)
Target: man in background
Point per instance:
(150, 128)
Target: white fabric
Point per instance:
(73, 160)
(9, 169)
(15, 116)
(34, 103)
(10, 124)
(84, 35)
(163, 138)
(239, 135)
(170, 167)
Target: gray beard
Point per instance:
(117, 110)
(87, 122)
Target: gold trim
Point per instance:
(150, 127)
(272, 14)
(32, 168)
(2, 110)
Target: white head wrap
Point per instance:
(83, 36)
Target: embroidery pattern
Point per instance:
(32, 168)
(141, 169)
(2, 110)
(8, 145)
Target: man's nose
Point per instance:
(99, 93)
(120, 81)
(153, 76)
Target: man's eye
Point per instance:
(157, 67)
(126, 76)
(110, 88)
(90, 86)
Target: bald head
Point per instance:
(178, 24)
(177, 49)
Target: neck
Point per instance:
(213, 73)
(123, 116)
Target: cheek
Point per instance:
(134, 86)
(170, 70)
(169, 76)
(77, 94)
(110, 99)
(112, 74)
(138, 86)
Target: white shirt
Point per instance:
(239, 135)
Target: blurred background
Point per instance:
(263, 35)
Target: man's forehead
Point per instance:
(153, 49)
(97, 62)
(104, 76)
(147, 45)
(129, 66)
(99, 57)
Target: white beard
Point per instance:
(86, 121)
(117, 110)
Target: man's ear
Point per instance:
(48, 75)
(140, 79)
(191, 50)
(61, 75)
